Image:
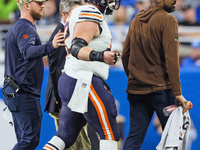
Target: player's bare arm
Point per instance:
(86, 31)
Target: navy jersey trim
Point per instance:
(87, 11)
(88, 18)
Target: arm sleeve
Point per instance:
(171, 51)
(56, 61)
(30, 46)
(126, 52)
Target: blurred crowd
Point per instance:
(187, 13)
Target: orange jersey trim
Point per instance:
(84, 14)
(48, 147)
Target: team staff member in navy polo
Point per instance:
(24, 73)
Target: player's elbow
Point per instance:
(77, 44)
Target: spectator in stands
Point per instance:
(128, 2)
(190, 16)
(120, 17)
(193, 3)
(119, 28)
(51, 15)
(129, 5)
(192, 61)
(7, 8)
(198, 13)
(179, 12)
(140, 5)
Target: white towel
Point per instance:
(79, 99)
(175, 134)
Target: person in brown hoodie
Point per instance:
(150, 59)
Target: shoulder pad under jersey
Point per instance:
(90, 13)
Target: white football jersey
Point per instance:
(100, 43)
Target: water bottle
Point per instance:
(169, 109)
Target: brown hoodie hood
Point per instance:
(145, 15)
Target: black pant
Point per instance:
(142, 108)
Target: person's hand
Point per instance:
(58, 40)
(110, 57)
(183, 102)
